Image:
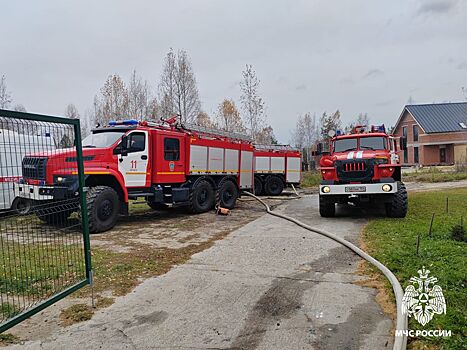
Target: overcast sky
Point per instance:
(311, 55)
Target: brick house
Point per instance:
(436, 133)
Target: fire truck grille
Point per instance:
(34, 168)
(355, 170)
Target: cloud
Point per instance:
(428, 7)
(462, 65)
(301, 87)
(372, 73)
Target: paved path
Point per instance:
(268, 285)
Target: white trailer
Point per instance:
(13, 148)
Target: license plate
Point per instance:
(355, 189)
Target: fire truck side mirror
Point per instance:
(320, 149)
(403, 143)
(124, 146)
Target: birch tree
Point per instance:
(5, 96)
(138, 97)
(71, 111)
(252, 103)
(178, 91)
(112, 101)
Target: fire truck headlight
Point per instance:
(61, 179)
(387, 188)
(326, 189)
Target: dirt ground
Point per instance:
(143, 231)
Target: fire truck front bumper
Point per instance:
(358, 189)
(40, 193)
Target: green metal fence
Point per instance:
(44, 237)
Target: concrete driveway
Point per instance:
(268, 285)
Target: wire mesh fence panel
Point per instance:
(43, 229)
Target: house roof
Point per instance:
(439, 117)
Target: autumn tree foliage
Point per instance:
(228, 117)
(203, 119)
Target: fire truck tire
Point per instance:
(53, 216)
(258, 186)
(103, 208)
(273, 186)
(327, 209)
(22, 206)
(201, 197)
(227, 194)
(397, 208)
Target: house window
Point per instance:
(404, 131)
(406, 156)
(415, 155)
(171, 149)
(415, 132)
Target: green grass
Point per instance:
(39, 270)
(393, 242)
(311, 179)
(434, 174)
(8, 310)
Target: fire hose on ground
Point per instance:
(400, 342)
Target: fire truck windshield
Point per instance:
(102, 139)
(344, 145)
(373, 143)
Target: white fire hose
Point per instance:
(400, 342)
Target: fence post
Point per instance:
(431, 224)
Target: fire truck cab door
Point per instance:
(170, 159)
(134, 165)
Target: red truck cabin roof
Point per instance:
(352, 136)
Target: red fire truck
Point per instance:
(362, 167)
(276, 166)
(163, 163)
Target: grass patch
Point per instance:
(434, 174)
(393, 242)
(40, 270)
(8, 339)
(76, 313)
(311, 179)
(8, 310)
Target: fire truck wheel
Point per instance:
(397, 208)
(327, 209)
(273, 186)
(201, 197)
(22, 206)
(103, 208)
(258, 186)
(227, 194)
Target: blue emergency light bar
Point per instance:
(123, 122)
(378, 128)
(338, 132)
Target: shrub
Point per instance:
(458, 233)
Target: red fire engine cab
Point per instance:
(276, 166)
(362, 167)
(163, 163)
